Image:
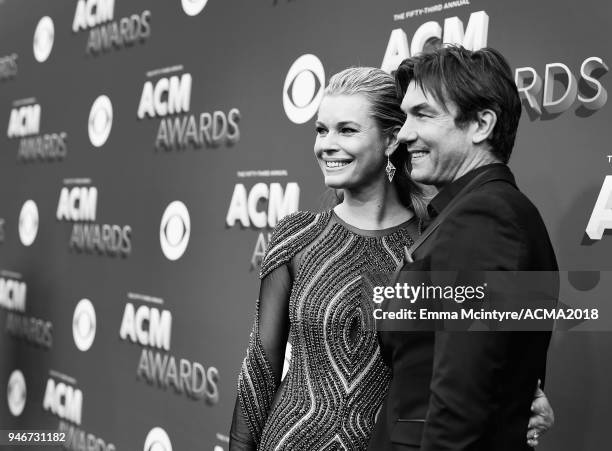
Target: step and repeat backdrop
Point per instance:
(148, 149)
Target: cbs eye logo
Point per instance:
(84, 324)
(43, 39)
(28, 222)
(193, 7)
(174, 230)
(16, 393)
(100, 120)
(303, 89)
(157, 440)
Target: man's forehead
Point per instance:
(416, 95)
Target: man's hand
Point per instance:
(542, 418)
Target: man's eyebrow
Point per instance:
(420, 107)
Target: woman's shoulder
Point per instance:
(294, 222)
(291, 234)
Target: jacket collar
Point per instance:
(494, 171)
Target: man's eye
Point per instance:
(320, 130)
(348, 130)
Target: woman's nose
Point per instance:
(327, 143)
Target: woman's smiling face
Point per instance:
(349, 147)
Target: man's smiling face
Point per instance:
(439, 149)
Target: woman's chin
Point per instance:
(335, 182)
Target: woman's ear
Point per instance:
(392, 142)
(485, 123)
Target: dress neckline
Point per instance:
(374, 232)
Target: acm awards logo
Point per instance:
(84, 324)
(586, 91)
(148, 325)
(28, 222)
(105, 33)
(193, 7)
(8, 67)
(44, 36)
(174, 230)
(100, 121)
(78, 202)
(169, 98)
(16, 393)
(63, 399)
(32, 330)
(303, 88)
(473, 37)
(24, 124)
(260, 208)
(157, 440)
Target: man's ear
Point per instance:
(485, 123)
(392, 142)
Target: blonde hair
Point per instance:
(379, 88)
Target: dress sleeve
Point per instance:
(261, 369)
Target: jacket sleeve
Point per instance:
(468, 366)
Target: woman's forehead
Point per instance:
(345, 107)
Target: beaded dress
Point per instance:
(312, 294)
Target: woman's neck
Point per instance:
(373, 208)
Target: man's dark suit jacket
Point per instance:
(469, 390)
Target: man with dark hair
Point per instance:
(465, 390)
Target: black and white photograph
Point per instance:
(305, 225)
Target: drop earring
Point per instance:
(390, 169)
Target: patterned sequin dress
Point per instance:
(336, 379)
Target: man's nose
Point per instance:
(407, 133)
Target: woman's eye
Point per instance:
(320, 130)
(348, 130)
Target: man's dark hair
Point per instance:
(473, 81)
